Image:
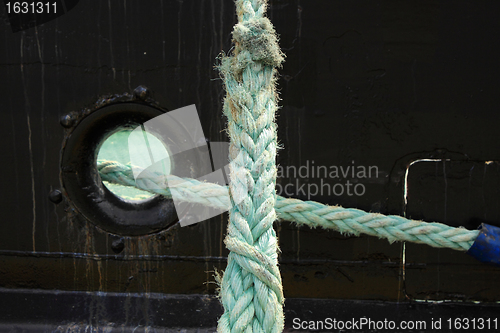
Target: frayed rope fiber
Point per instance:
(348, 221)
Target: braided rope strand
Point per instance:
(251, 290)
(314, 214)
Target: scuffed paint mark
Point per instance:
(414, 83)
(129, 85)
(111, 40)
(298, 244)
(29, 144)
(405, 194)
(207, 248)
(32, 180)
(42, 120)
(445, 192)
(402, 278)
(162, 11)
(405, 191)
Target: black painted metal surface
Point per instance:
(365, 84)
(196, 313)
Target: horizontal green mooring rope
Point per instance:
(313, 214)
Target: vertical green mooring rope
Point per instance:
(251, 290)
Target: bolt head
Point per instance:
(118, 245)
(141, 92)
(55, 196)
(68, 120)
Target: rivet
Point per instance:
(55, 196)
(118, 245)
(141, 93)
(68, 120)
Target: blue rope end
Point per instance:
(486, 247)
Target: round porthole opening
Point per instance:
(119, 147)
(103, 135)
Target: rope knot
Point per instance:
(256, 41)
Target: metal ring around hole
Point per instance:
(82, 184)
